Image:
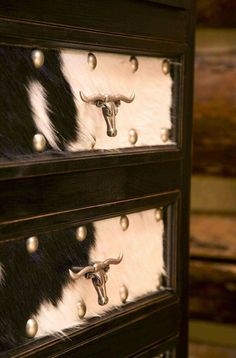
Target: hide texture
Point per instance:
(47, 100)
(37, 285)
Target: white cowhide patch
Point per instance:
(147, 114)
(39, 112)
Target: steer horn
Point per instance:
(106, 98)
(92, 99)
(121, 97)
(82, 271)
(78, 272)
(113, 261)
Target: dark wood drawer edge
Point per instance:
(116, 335)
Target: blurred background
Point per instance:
(212, 306)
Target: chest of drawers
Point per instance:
(95, 128)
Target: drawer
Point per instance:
(59, 279)
(75, 100)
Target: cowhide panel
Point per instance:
(38, 285)
(47, 100)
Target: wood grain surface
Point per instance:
(213, 268)
(215, 114)
(198, 350)
(212, 291)
(216, 13)
(213, 237)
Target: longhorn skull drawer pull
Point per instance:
(98, 273)
(109, 104)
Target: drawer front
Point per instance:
(59, 279)
(75, 100)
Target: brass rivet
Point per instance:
(123, 293)
(134, 63)
(92, 61)
(124, 222)
(31, 328)
(81, 307)
(165, 134)
(39, 142)
(133, 136)
(158, 214)
(166, 66)
(37, 58)
(81, 233)
(32, 244)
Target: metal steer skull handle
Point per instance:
(109, 105)
(98, 273)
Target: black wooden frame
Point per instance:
(153, 176)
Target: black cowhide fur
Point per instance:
(31, 279)
(17, 127)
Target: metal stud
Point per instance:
(32, 244)
(124, 293)
(166, 66)
(81, 233)
(31, 328)
(39, 142)
(134, 63)
(92, 61)
(158, 214)
(124, 222)
(81, 307)
(37, 58)
(133, 136)
(165, 134)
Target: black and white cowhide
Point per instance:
(47, 100)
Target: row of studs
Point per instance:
(39, 141)
(38, 61)
(32, 325)
(92, 61)
(32, 244)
